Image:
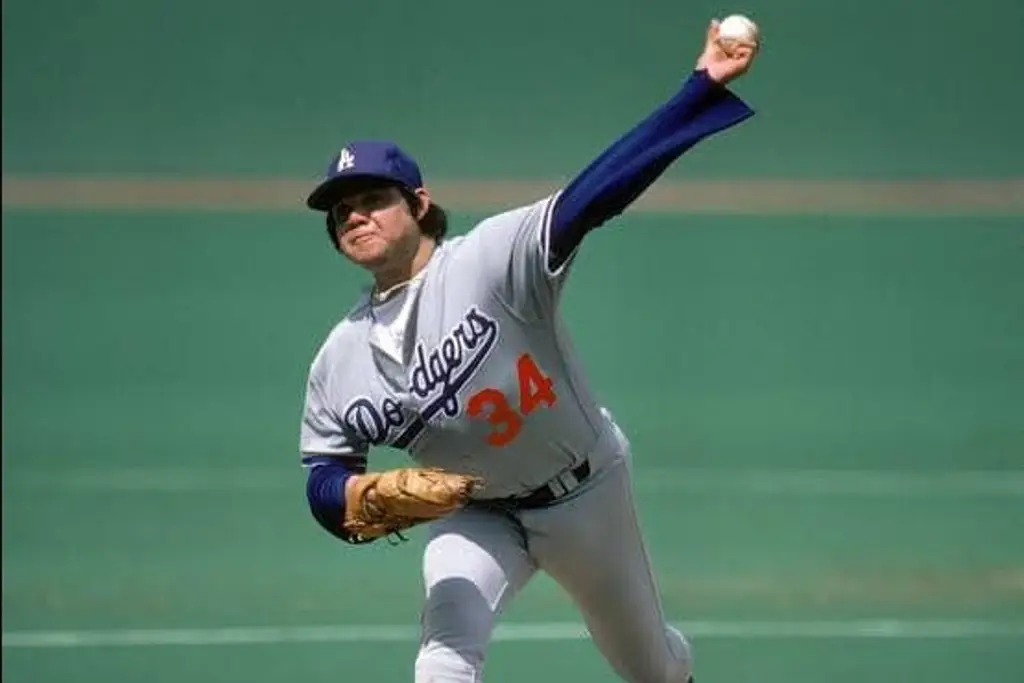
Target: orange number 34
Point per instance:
(535, 389)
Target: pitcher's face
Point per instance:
(376, 227)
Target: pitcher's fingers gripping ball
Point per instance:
(734, 32)
(383, 503)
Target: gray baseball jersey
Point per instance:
(487, 383)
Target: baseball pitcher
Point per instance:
(459, 356)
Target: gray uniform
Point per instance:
(484, 301)
(486, 382)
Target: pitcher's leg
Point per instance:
(473, 564)
(592, 546)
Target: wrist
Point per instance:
(351, 482)
(705, 74)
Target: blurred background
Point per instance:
(811, 328)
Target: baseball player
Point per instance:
(459, 356)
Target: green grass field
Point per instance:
(826, 413)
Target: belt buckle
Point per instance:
(568, 481)
(563, 484)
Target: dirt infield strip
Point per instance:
(974, 197)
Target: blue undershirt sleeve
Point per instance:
(325, 492)
(621, 173)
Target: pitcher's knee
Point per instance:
(680, 666)
(658, 660)
(439, 662)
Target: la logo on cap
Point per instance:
(346, 160)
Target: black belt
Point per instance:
(538, 498)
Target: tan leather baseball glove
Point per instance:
(383, 503)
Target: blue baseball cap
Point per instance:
(363, 160)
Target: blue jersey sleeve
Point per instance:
(621, 173)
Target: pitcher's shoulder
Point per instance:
(503, 226)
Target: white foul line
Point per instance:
(552, 631)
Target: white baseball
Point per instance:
(740, 29)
